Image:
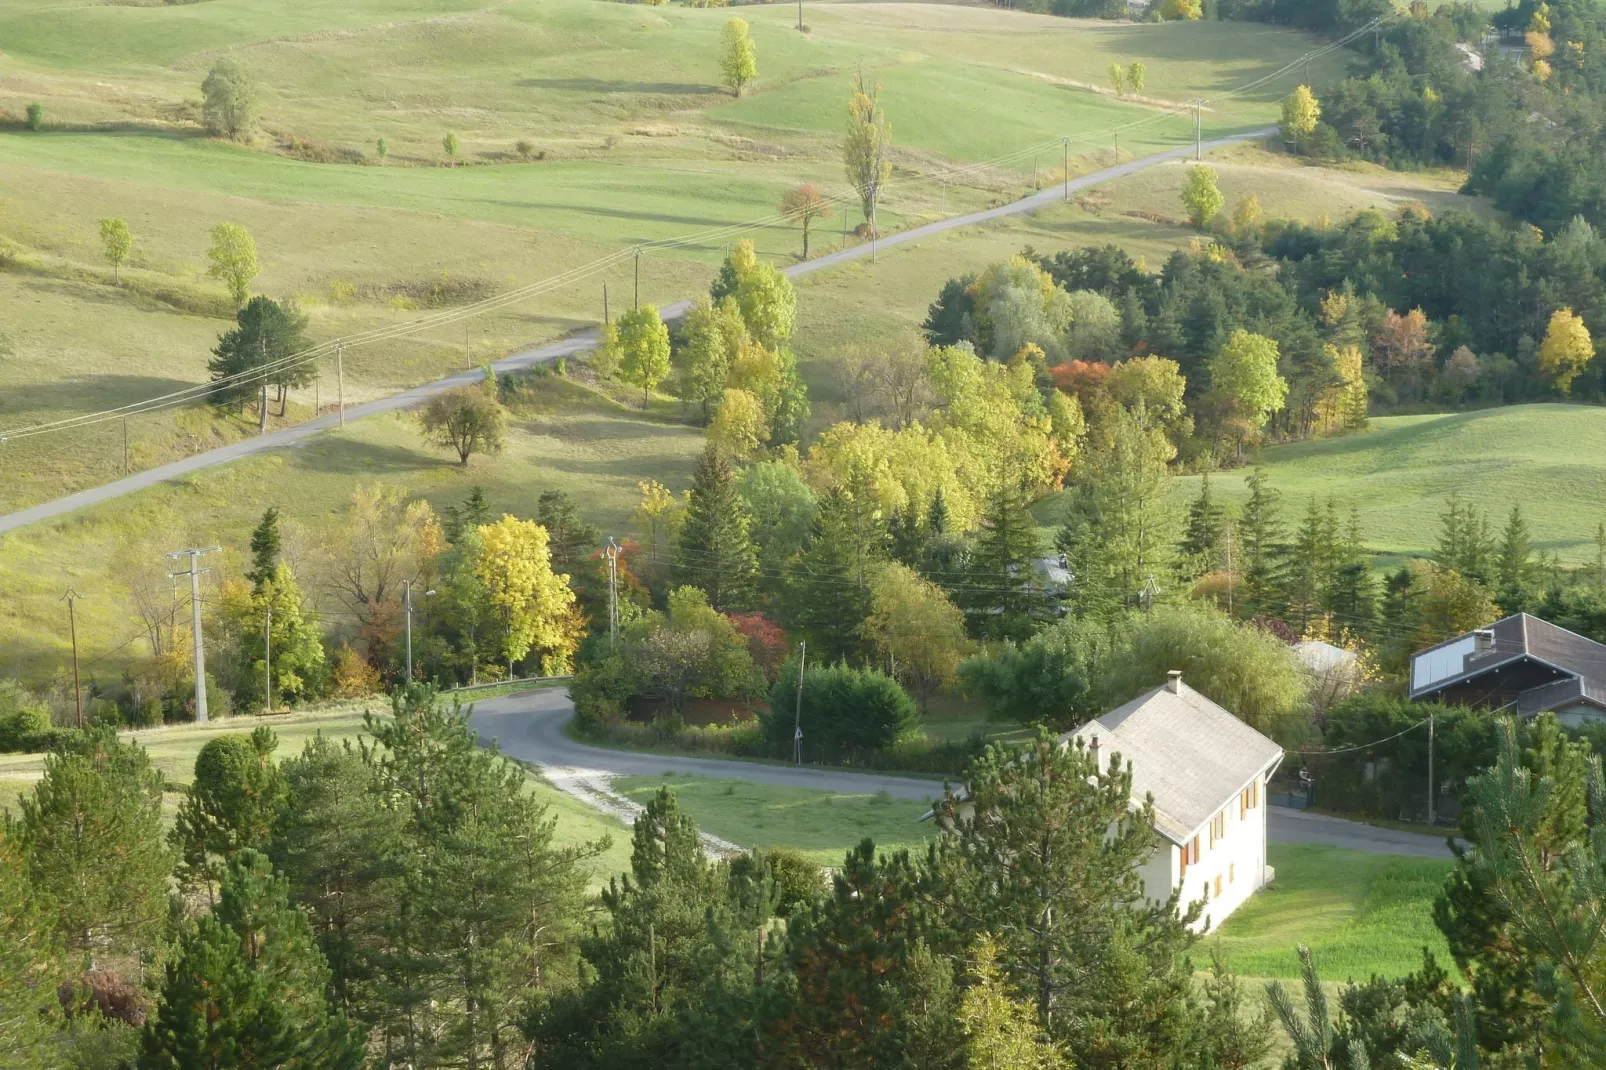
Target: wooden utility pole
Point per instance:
(1066, 145)
(799, 16)
(126, 468)
(797, 719)
(262, 413)
(340, 378)
(71, 598)
(605, 317)
(267, 663)
(636, 303)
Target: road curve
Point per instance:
(579, 342)
(530, 727)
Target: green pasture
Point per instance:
(1549, 459)
(1360, 914)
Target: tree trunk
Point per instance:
(805, 239)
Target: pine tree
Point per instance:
(90, 839)
(1076, 932)
(1465, 543)
(1310, 571)
(1200, 549)
(264, 548)
(338, 843)
(1490, 940)
(246, 987)
(1005, 598)
(483, 888)
(232, 805)
(870, 987)
(1261, 535)
(716, 553)
(828, 586)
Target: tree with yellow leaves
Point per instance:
(1301, 112)
(1200, 195)
(515, 564)
(739, 427)
(656, 521)
(1566, 350)
(914, 625)
(1175, 10)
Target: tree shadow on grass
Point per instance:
(83, 393)
(614, 213)
(616, 85)
(368, 459)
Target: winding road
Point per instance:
(530, 727)
(579, 342)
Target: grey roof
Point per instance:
(1191, 754)
(1521, 637)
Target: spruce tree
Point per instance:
(1513, 564)
(91, 844)
(246, 987)
(1200, 549)
(716, 552)
(1004, 596)
(570, 539)
(264, 548)
(461, 519)
(1465, 544)
(1262, 539)
(828, 586)
(1352, 596)
(1310, 569)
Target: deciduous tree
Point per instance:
(739, 428)
(738, 56)
(1201, 197)
(1566, 350)
(641, 348)
(537, 606)
(467, 420)
(229, 104)
(917, 629)
(710, 337)
(1243, 374)
(234, 259)
(1301, 113)
(805, 205)
(867, 150)
(117, 241)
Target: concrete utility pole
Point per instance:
(262, 351)
(407, 601)
(71, 598)
(797, 720)
(612, 553)
(267, 663)
(340, 378)
(195, 572)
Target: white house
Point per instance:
(1207, 772)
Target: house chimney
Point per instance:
(1173, 681)
(1482, 641)
(1093, 749)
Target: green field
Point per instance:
(630, 139)
(1359, 914)
(1549, 459)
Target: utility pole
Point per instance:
(1198, 145)
(1066, 145)
(1229, 568)
(612, 553)
(636, 304)
(1035, 184)
(605, 317)
(340, 378)
(71, 598)
(195, 572)
(125, 446)
(797, 719)
(468, 345)
(407, 601)
(799, 16)
(1118, 146)
(262, 350)
(267, 664)
(1431, 815)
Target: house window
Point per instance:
(1248, 799)
(1232, 872)
(1218, 886)
(1218, 828)
(1190, 854)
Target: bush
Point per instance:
(24, 721)
(846, 713)
(797, 881)
(36, 116)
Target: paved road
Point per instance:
(579, 342)
(530, 727)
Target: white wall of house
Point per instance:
(1231, 864)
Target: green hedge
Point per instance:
(846, 714)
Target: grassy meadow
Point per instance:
(627, 138)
